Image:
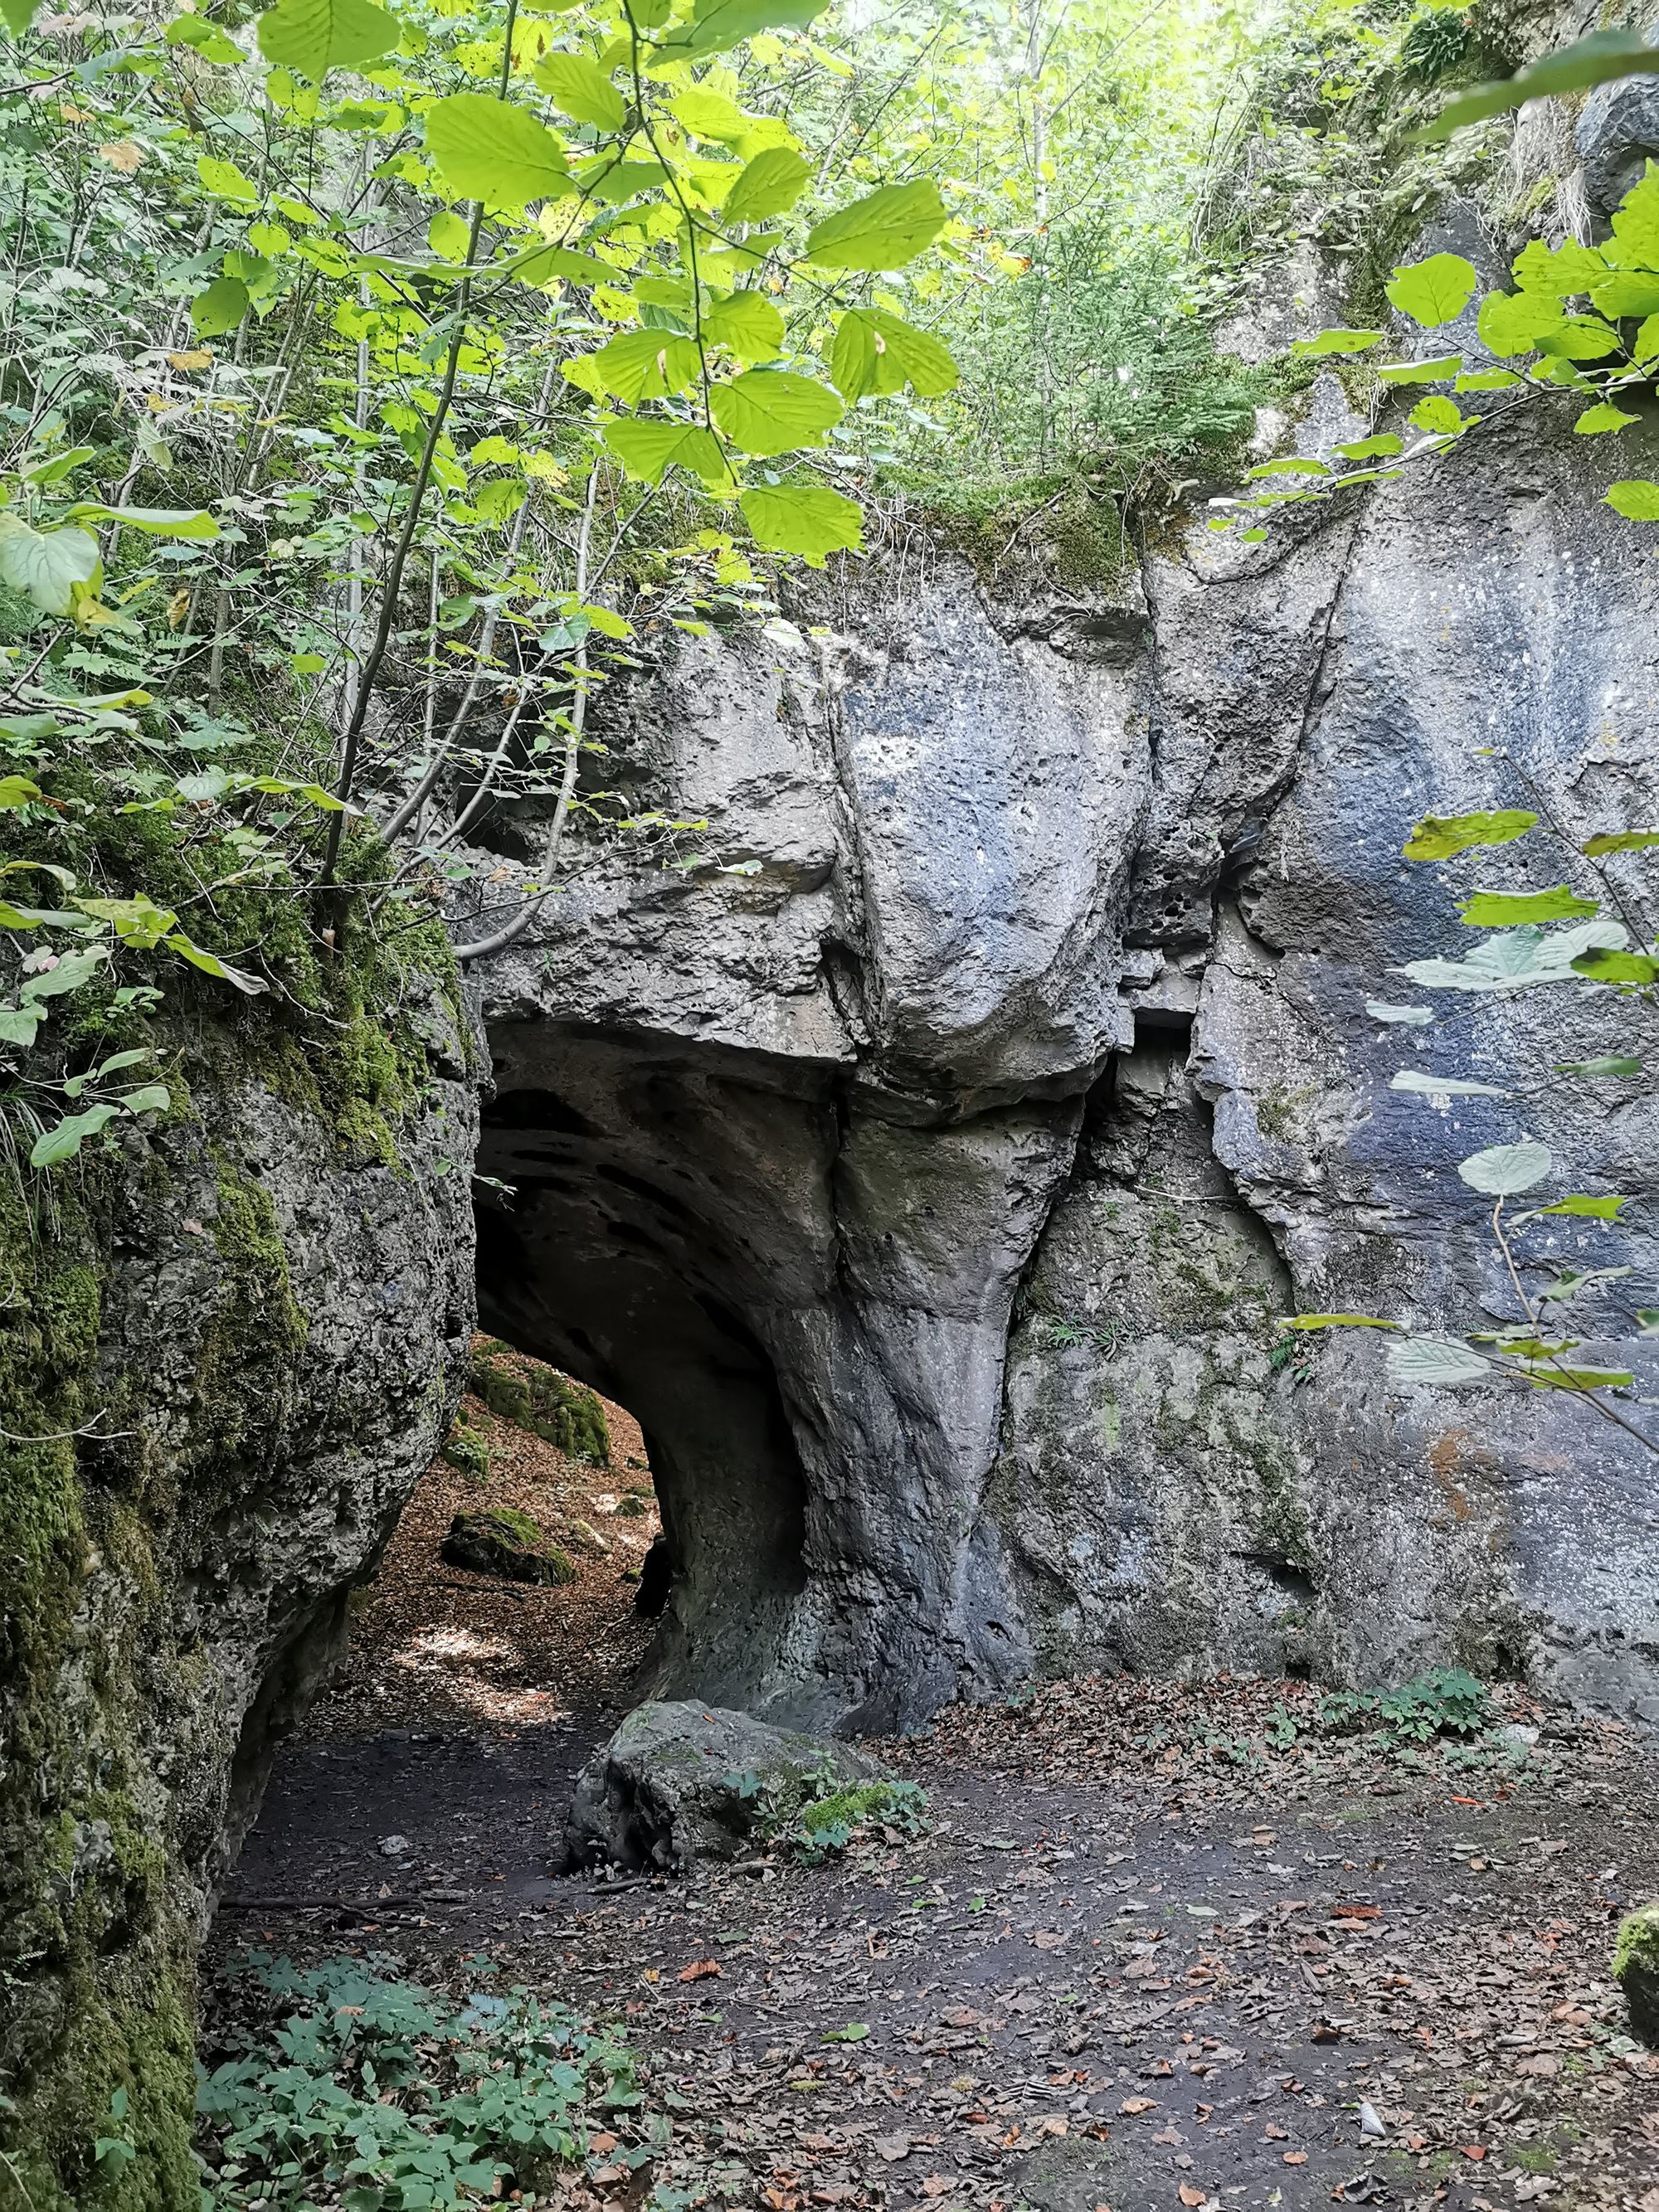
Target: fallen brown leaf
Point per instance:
(700, 1969)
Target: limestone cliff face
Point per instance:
(929, 1184)
(235, 1343)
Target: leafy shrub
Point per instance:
(466, 1451)
(819, 1816)
(375, 2094)
(1446, 1701)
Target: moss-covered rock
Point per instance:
(1636, 1970)
(548, 1404)
(235, 1336)
(501, 1540)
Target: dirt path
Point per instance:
(1160, 1949)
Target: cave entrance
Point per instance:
(598, 1258)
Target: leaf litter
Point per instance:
(1216, 1945)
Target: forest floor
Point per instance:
(1162, 1946)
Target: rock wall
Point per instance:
(926, 1172)
(237, 1340)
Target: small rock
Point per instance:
(1523, 1738)
(393, 1847)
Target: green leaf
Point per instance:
(1411, 1017)
(542, 264)
(62, 1143)
(153, 1098)
(1505, 1171)
(1618, 840)
(74, 970)
(1330, 342)
(1517, 960)
(211, 964)
(1383, 447)
(719, 25)
(56, 466)
(1574, 1378)
(1635, 225)
(448, 234)
(499, 500)
(213, 44)
(1287, 465)
(1645, 345)
(1626, 292)
(1433, 292)
(486, 150)
(1440, 370)
(1605, 964)
(47, 566)
(193, 523)
(1597, 59)
(1438, 836)
(221, 307)
(875, 351)
(1443, 1086)
(646, 450)
(1581, 337)
(582, 90)
(855, 2031)
(1615, 1063)
(646, 365)
(1333, 1320)
(19, 1024)
(1511, 322)
(1595, 420)
(226, 181)
(883, 230)
(748, 324)
(16, 791)
(769, 184)
(1502, 909)
(1435, 1361)
(770, 411)
(1440, 415)
(315, 36)
(1636, 499)
(1558, 270)
(708, 114)
(809, 520)
(1590, 1209)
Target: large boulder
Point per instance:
(686, 1781)
(1636, 1968)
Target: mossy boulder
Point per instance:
(1636, 1970)
(563, 1413)
(680, 1781)
(501, 1540)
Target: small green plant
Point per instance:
(466, 1451)
(113, 2151)
(376, 2094)
(820, 1816)
(1446, 1701)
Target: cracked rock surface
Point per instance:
(930, 1188)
